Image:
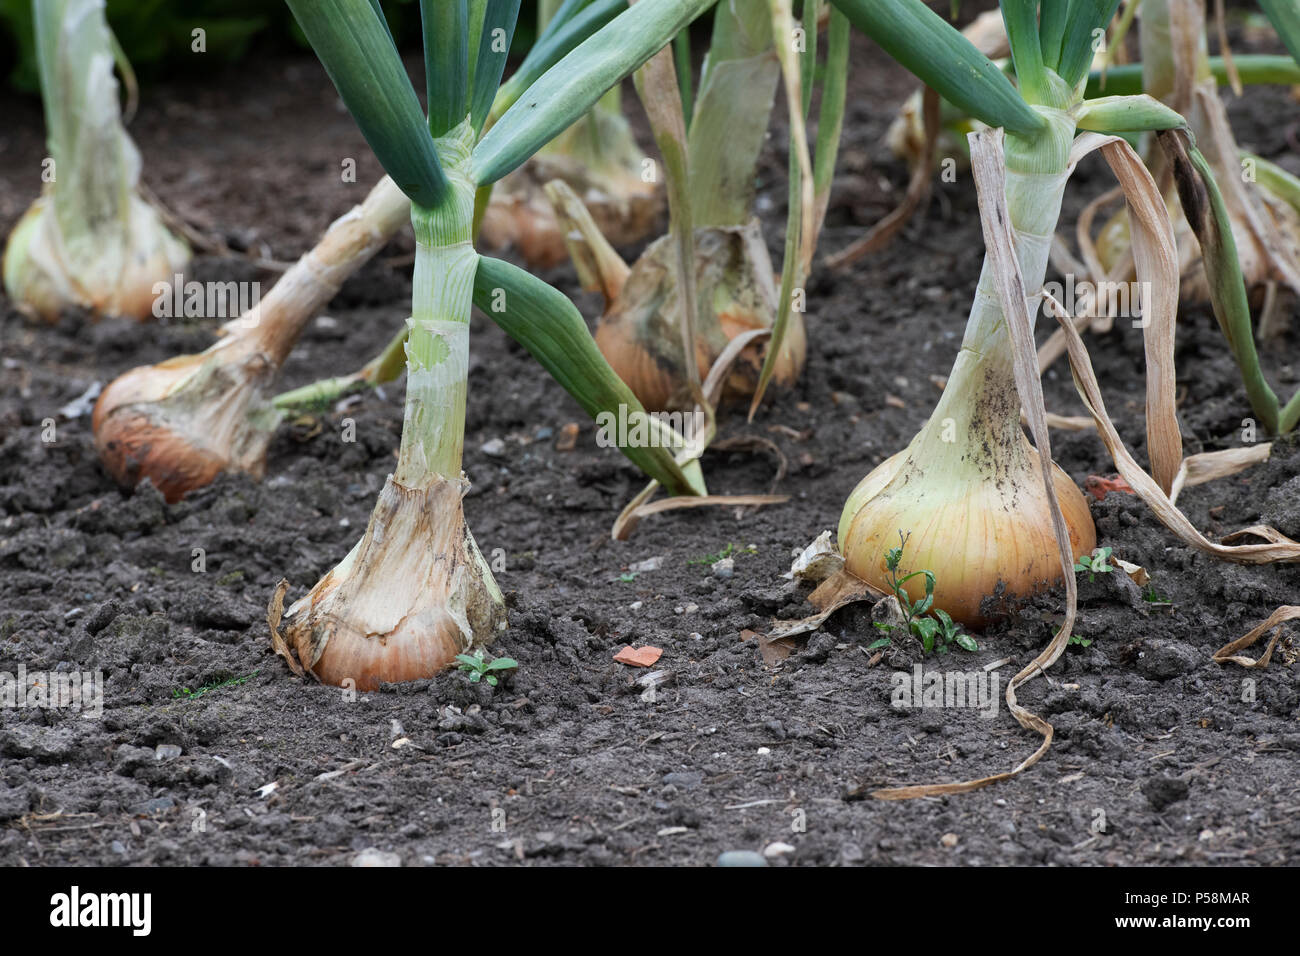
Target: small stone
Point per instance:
(636, 605)
(649, 564)
(741, 858)
(568, 439)
(725, 569)
(166, 752)
(949, 840)
(544, 433)
(117, 847)
(764, 751)
(1166, 659)
(778, 849)
(373, 857)
(495, 448)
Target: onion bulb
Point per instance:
(413, 593)
(89, 240)
(639, 332)
(968, 492)
(184, 421)
(974, 509)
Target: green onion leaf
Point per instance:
(1020, 18)
(1127, 114)
(556, 40)
(354, 45)
(498, 31)
(1255, 69)
(944, 60)
(1208, 216)
(1285, 17)
(1051, 30)
(551, 328)
(573, 85)
(446, 62)
(1085, 27)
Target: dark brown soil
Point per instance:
(565, 762)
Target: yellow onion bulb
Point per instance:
(184, 421)
(110, 274)
(982, 531)
(640, 336)
(414, 593)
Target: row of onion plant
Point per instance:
(182, 422)
(415, 591)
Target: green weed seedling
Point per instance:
(479, 667)
(1095, 563)
(727, 552)
(936, 630)
(184, 693)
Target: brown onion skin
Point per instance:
(182, 422)
(133, 446)
(661, 386)
(389, 612)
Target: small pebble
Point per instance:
(777, 849)
(568, 439)
(166, 752)
(372, 857)
(741, 858)
(725, 568)
(494, 448)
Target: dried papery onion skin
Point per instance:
(412, 594)
(184, 421)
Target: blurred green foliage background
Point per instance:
(157, 34)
